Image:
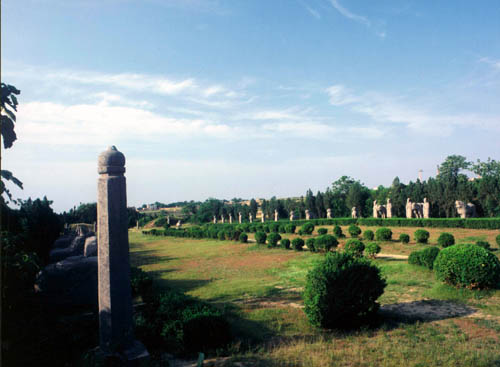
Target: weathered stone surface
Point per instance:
(75, 248)
(388, 208)
(72, 281)
(90, 248)
(379, 211)
(414, 210)
(115, 299)
(465, 210)
(63, 241)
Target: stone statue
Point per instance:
(465, 210)
(168, 219)
(308, 214)
(239, 217)
(250, 217)
(414, 210)
(388, 208)
(178, 225)
(426, 208)
(276, 216)
(263, 218)
(379, 211)
(354, 212)
(230, 218)
(214, 220)
(408, 208)
(222, 219)
(329, 213)
(292, 215)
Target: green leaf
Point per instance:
(8, 133)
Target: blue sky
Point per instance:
(247, 98)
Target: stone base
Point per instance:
(135, 356)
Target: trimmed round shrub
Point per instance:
(368, 235)
(285, 243)
(290, 228)
(484, 244)
(298, 244)
(421, 236)
(372, 249)
(260, 237)
(243, 237)
(414, 258)
(337, 231)
(354, 230)
(325, 242)
(281, 228)
(404, 238)
(272, 239)
(497, 239)
(310, 244)
(468, 265)
(383, 234)
(446, 240)
(307, 228)
(221, 235)
(274, 227)
(341, 291)
(428, 256)
(354, 247)
(266, 228)
(322, 231)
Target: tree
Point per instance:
(7, 119)
(253, 207)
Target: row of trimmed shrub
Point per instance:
(463, 265)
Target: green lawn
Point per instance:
(262, 289)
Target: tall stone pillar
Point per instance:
(276, 215)
(239, 217)
(116, 332)
(263, 218)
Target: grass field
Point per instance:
(422, 322)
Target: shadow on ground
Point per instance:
(423, 311)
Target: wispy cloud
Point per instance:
(495, 64)
(384, 108)
(357, 18)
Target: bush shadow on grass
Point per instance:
(148, 257)
(393, 315)
(182, 285)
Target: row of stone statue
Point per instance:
(413, 210)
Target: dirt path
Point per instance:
(392, 256)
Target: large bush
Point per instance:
(383, 234)
(322, 231)
(425, 257)
(260, 237)
(325, 242)
(174, 321)
(272, 239)
(468, 265)
(368, 235)
(354, 230)
(446, 239)
(310, 244)
(421, 236)
(355, 247)
(404, 238)
(337, 231)
(307, 228)
(341, 291)
(497, 239)
(298, 244)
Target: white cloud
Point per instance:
(384, 108)
(357, 18)
(495, 64)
